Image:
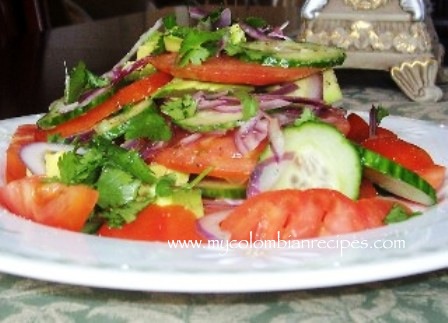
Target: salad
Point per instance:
(227, 129)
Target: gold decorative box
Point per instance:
(392, 35)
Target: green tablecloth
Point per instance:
(422, 298)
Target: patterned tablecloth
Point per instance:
(422, 298)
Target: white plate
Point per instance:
(35, 251)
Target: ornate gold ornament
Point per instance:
(366, 4)
(390, 35)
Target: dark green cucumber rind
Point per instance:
(54, 117)
(396, 179)
(273, 53)
(116, 125)
(206, 121)
(329, 157)
(221, 189)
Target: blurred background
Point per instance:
(24, 17)
(19, 16)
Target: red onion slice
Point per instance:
(33, 155)
(209, 225)
(266, 173)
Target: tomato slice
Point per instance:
(434, 175)
(158, 223)
(367, 189)
(359, 129)
(230, 70)
(24, 134)
(294, 214)
(402, 152)
(216, 151)
(131, 93)
(375, 210)
(50, 203)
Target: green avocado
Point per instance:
(180, 87)
(191, 199)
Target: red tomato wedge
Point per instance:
(230, 70)
(53, 204)
(131, 93)
(374, 210)
(158, 223)
(359, 129)
(24, 134)
(216, 151)
(402, 152)
(434, 175)
(294, 214)
(410, 156)
(367, 189)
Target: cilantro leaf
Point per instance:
(169, 21)
(77, 168)
(126, 160)
(180, 108)
(398, 214)
(256, 22)
(306, 115)
(79, 80)
(116, 188)
(118, 216)
(165, 185)
(149, 124)
(198, 45)
(249, 103)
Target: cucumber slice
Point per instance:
(207, 120)
(54, 117)
(396, 179)
(221, 189)
(316, 155)
(116, 125)
(291, 54)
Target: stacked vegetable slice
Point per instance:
(225, 115)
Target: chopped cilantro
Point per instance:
(75, 168)
(256, 22)
(180, 108)
(199, 45)
(249, 103)
(306, 115)
(116, 188)
(398, 214)
(169, 21)
(165, 185)
(126, 160)
(79, 80)
(149, 124)
(118, 216)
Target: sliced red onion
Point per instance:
(250, 134)
(190, 139)
(254, 33)
(33, 155)
(197, 13)
(273, 104)
(277, 32)
(209, 225)
(158, 24)
(225, 19)
(266, 173)
(276, 138)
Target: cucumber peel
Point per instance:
(396, 179)
(284, 53)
